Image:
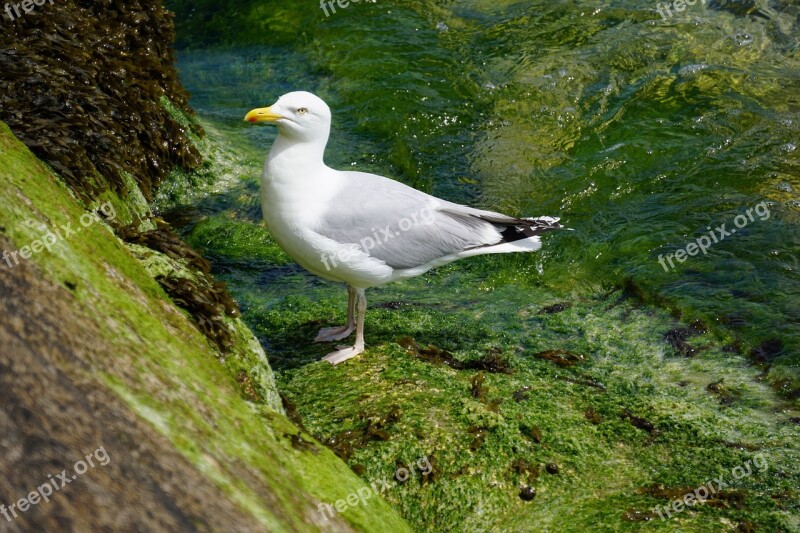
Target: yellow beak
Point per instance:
(264, 114)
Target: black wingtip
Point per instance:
(529, 227)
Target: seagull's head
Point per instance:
(300, 116)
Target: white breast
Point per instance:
(291, 206)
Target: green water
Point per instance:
(639, 133)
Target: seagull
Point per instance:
(361, 229)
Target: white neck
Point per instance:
(293, 160)
(296, 183)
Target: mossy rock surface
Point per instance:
(96, 355)
(606, 425)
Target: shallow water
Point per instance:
(642, 134)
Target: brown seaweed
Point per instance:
(206, 299)
(479, 434)
(725, 395)
(82, 86)
(639, 422)
(593, 416)
(720, 499)
(554, 309)
(371, 428)
(678, 337)
(492, 362)
(561, 358)
(534, 433)
(522, 394)
(766, 352)
(248, 387)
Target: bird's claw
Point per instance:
(342, 354)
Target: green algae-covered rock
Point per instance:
(193, 444)
(593, 411)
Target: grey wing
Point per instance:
(407, 228)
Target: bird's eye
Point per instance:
(302, 111)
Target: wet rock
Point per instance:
(527, 494)
(56, 406)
